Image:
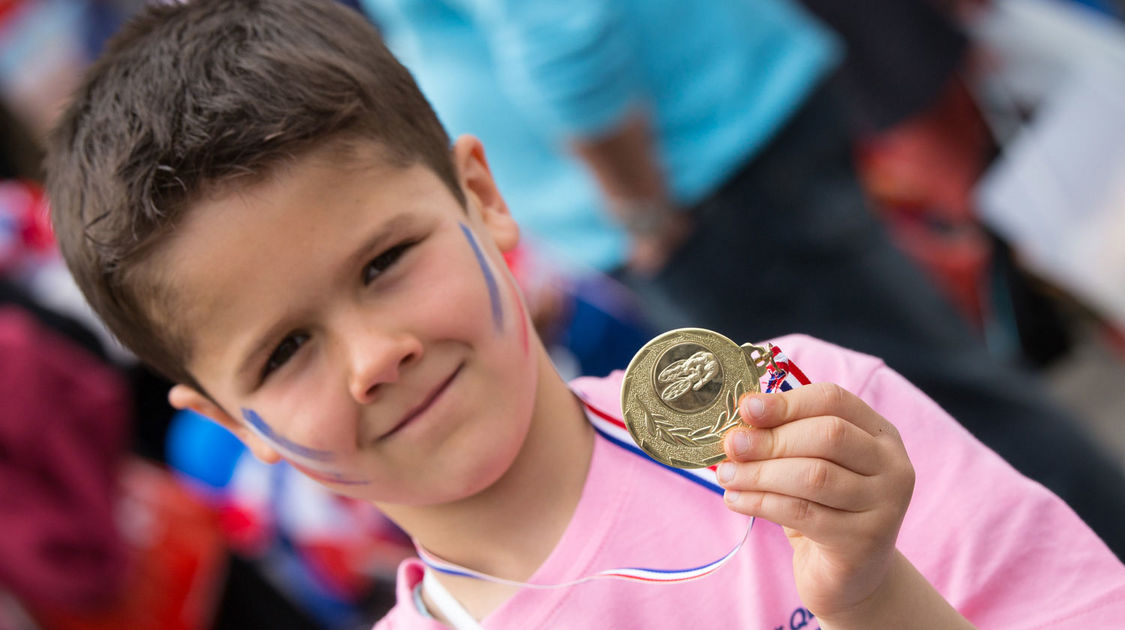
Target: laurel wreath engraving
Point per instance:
(686, 436)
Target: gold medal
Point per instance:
(680, 394)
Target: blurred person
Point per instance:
(921, 146)
(701, 153)
(43, 49)
(59, 459)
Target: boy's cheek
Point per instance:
(310, 411)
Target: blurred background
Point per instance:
(1002, 177)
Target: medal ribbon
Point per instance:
(785, 377)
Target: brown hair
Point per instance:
(190, 96)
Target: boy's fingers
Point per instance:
(818, 522)
(816, 399)
(824, 437)
(815, 480)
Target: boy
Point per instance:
(257, 200)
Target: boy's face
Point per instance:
(357, 321)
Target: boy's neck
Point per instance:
(510, 528)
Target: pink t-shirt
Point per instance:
(1001, 548)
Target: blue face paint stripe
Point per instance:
(267, 431)
(493, 290)
(327, 476)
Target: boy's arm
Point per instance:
(572, 67)
(835, 474)
(904, 600)
(626, 166)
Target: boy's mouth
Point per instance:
(423, 406)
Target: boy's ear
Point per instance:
(482, 194)
(184, 397)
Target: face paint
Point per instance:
(309, 461)
(493, 290)
(521, 315)
(328, 476)
(267, 432)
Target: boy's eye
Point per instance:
(284, 351)
(383, 261)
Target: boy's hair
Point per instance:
(191, 97)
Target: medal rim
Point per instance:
(733, 370)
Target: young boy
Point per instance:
(258, 201)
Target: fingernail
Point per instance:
(740, 442)
(726, 472)
(732, 496)
(755, 407)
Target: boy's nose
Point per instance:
(375, 358)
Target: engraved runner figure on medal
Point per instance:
(680, 394)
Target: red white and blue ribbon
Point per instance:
(786, 376)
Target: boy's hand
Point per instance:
(835, 475)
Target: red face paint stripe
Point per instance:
(522, 312)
